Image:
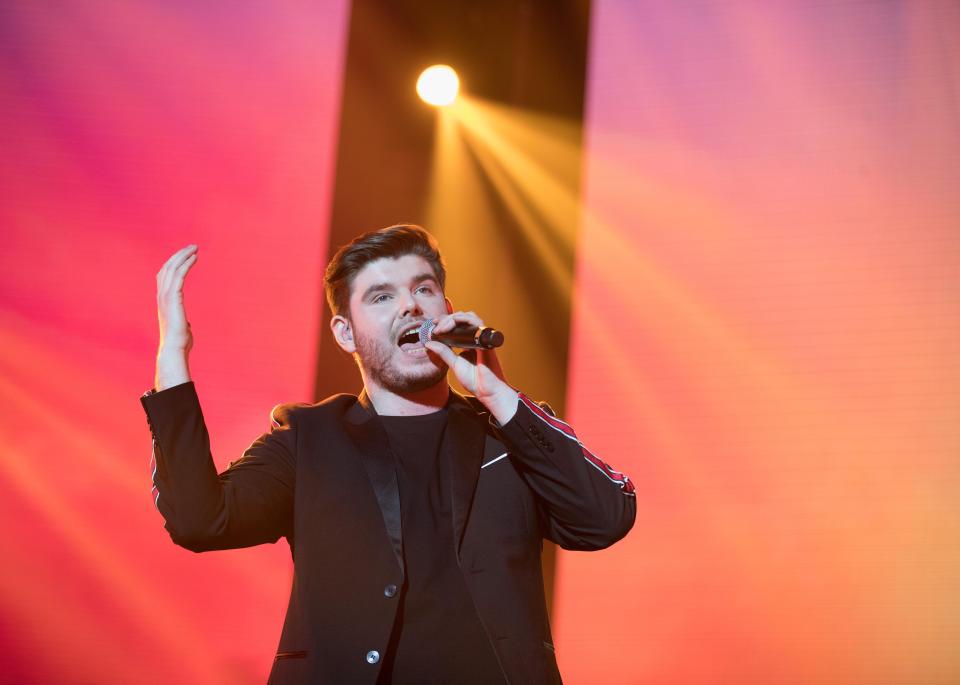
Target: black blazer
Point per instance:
(324, 478)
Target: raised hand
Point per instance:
(478, 371)
(176, 338)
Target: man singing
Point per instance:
(415, 515)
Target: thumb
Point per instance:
(442, 351)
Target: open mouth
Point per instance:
(409, 339)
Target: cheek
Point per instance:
(435, 307)
(378, 329)
(374, 325)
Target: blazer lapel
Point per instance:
(462, 447)
(372, 444)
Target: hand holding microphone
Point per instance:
(479, 372)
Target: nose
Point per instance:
(409, 305)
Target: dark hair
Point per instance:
(393, 241)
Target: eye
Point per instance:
(380, 298)
(428, 289)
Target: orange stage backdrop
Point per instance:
(766, 329)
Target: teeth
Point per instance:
(415, 328)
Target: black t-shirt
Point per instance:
(438, 637)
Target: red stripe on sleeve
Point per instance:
(617, 477)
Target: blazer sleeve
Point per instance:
(584, 503)
(248, 504)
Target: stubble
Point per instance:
(376, 360)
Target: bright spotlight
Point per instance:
(438, 85)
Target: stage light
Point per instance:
(438, 85)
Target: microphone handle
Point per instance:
(465, 336)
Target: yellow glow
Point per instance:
(532, 162)
(438, 85)
(503, 200)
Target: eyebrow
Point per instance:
(377, 287)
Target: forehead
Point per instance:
(397, 271)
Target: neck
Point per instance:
(389, 403)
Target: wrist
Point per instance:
(503, 404)
(172, 368)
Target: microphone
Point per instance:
(463, 335)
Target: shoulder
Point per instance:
(286, 415)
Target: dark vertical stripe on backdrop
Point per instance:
(499, 189)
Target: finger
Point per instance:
(185, 254)
(181, 272)
(173, 281)
(442, 351)
(175, 261)
(442, 322)
(178, 257)
(187, 263)
(450, 320)
(170, 298)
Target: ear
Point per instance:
(449, 305)
(343, 333)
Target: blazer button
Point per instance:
(390, 590)
(373, 656)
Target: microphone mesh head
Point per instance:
(426, 329)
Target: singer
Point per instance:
(415, 516)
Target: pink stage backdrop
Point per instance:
(128, 130)
(767, 319)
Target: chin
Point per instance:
(416, 382)
(398, 371)
(426, 382)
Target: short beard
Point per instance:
(374, 361)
